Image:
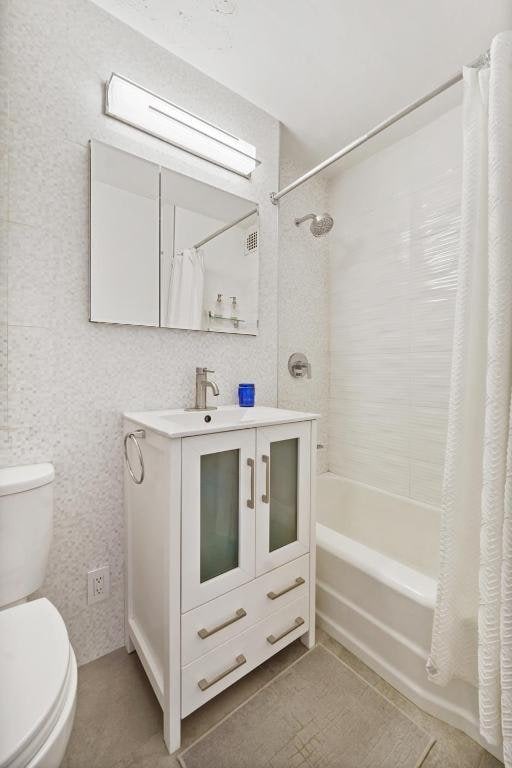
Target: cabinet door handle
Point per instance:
(275, 638)
(204, 633)
(204, 684)
(266, 496)
(297, 583)
(250, 502)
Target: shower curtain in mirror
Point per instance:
(472, 636)
(186, 289)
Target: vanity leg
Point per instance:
(172, 686)
(308, 639)
(172, 731)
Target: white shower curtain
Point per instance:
(186, 289)
(472, 636)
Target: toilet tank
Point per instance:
(26, 512)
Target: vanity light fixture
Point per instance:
(140, 108)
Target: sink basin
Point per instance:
(181, 423)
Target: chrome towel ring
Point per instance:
(139, 433)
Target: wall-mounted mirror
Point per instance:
(124, 237)
(168, 250)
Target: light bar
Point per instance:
(138, 107)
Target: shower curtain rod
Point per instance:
(481, 61)
(224, 228)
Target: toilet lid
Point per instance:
(25, 478)
(34, 661)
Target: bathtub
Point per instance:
(377, 560)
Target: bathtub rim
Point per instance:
(359, 511)
(395, 575)
(330, 476)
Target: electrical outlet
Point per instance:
(98, 584)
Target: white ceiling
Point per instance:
(328, 69)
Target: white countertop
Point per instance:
(182, 423)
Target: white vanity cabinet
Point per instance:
(219, 547)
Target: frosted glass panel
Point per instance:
(284, 456)
(219, 513)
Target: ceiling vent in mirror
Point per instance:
(138, 107)
(251, 240)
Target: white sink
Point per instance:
(181, 423)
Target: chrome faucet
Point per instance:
(202, 384)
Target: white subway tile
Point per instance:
(392, 275)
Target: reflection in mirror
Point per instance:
(124, 237)
(209, 257)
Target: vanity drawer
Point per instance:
(210, 674)
(208, 626)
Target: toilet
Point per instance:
(38, 672)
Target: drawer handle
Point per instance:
(250, 502)
(275, 638)
(204, 633)
(204, 684)
(297, 583)
(266, 496)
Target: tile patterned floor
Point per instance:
(119, 722)
(318, 712)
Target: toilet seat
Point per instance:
(38, 683)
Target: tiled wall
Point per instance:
(68, 381)
(303, 310)
(392, 289)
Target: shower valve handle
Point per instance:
(299, 366)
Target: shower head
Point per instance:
(320, 225)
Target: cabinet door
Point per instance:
(217, 529)
(284, 494)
